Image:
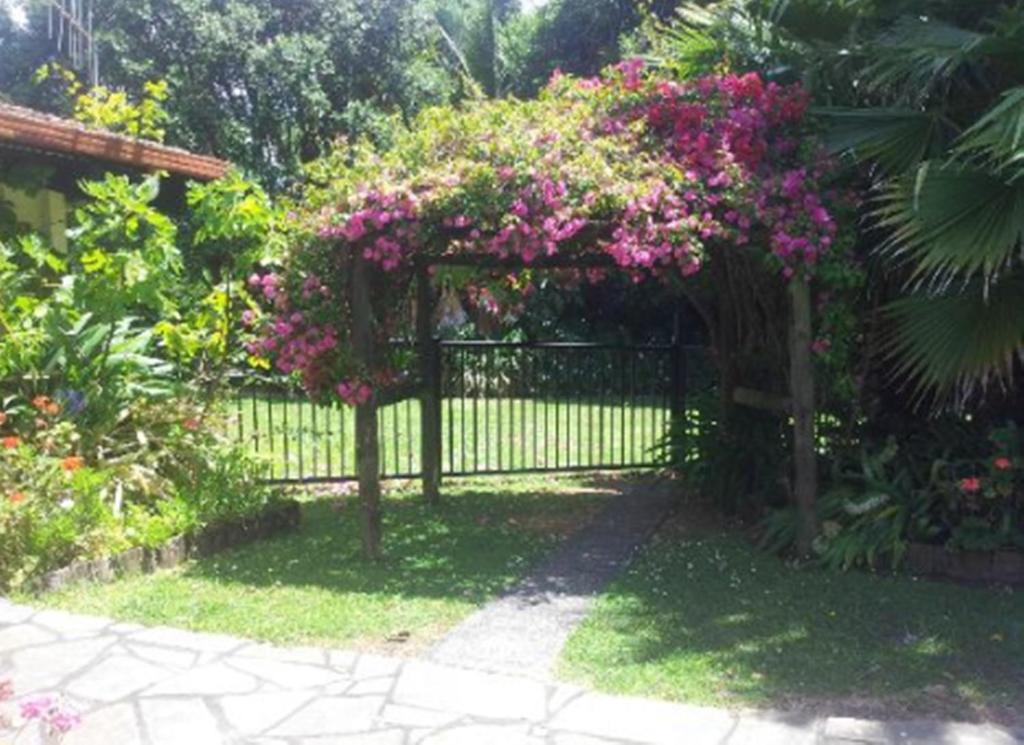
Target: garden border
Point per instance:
(1004, 566)
(273, 520)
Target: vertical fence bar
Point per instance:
(498, 399)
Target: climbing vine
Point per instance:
(649, 172)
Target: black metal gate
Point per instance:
(515, 408)
(502, 408)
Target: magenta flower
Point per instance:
(37, 708)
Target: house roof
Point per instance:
(26, 128)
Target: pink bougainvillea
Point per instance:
(651, 172)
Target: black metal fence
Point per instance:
(504, 408)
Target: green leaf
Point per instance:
(897, 139)
(952, 221)
(998, 137)
(957, 342)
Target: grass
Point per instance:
(313, 587)
(707, 619)
(299, 438)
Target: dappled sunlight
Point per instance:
(314, 586)
(713, 621)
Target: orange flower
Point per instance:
(72, 463)
(10, 442)
(46, 405)
(17, 497)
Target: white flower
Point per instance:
(67, 503)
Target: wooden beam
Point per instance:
(430, 383)
(490, 261)
(801, 384)
(367, 445)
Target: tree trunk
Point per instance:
(801, 383)
(367, 453)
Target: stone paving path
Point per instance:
(524, 631)
(162, 686)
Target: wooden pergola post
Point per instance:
(367, 445)
(430, 387)
(801, 384)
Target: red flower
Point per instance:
(191, 424)
(15, 498)
(1002, 463)
(970, 485)
(10, 442)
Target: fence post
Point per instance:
(367, 444)
(430, 387)
(679, 385)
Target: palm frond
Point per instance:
(917, 52)
(896, 139)
(997, 138)
(956, 343)
(952, 222)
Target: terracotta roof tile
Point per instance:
(29, 128)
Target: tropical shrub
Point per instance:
(112, 358)
(936, 494)
(63, 500)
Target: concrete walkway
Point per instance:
(524, 631)
(161, 686)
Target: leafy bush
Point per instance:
(111, 359)
(890, 497)
(58, 505)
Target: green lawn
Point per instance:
(313, 587)
(297, 437)
(706, 618)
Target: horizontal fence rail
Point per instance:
(504, 408)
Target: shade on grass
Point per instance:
(710, 620)
(314, 587)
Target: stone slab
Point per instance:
(644, 721)
(472, 692)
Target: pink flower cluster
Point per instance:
(55, 717)
(734, 137)
(268, 285)
(353, 392)
(538, 220)
(294, 341)
(658, 230)
(390, 219)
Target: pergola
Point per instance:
(800, 405)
